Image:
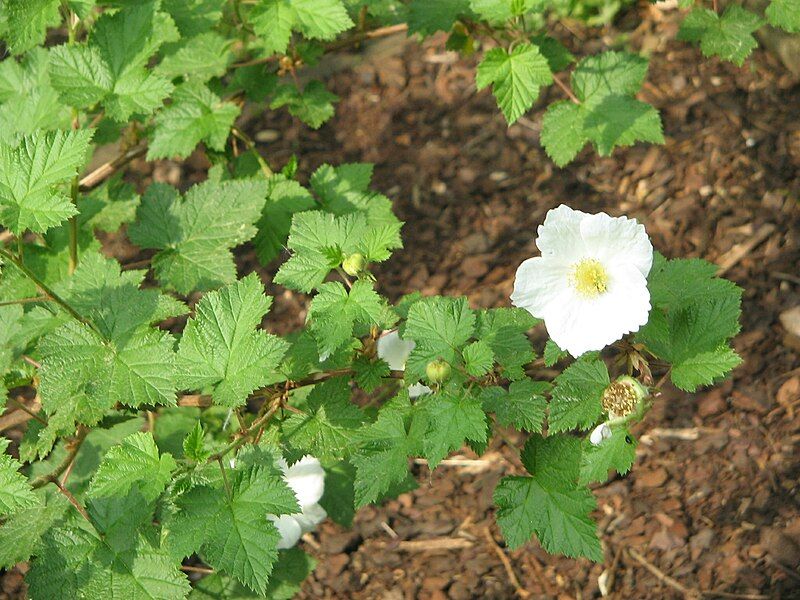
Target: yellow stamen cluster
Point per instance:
(619, 398)
(589, 278)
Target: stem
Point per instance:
(346, 279)
(73, 229)
(24, 408)
(64, 464)
(251, 145)
(70, 497)
(106, 170)
(224, 477)
(45, 289)
(25, 300)
(566, 90)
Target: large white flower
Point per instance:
(590, 283)
(306, 478)
(395, 351)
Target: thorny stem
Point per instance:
(45, 289)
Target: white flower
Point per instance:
(600, 433)
(395, 352)
(306, 478)
(590, 283)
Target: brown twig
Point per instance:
(106, 170)
(566, 90)
(663, 577)
(54, 480)
(43, 480)
(512, 577)
(25, 409)
(191, 569)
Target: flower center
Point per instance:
(589, 278)
(619, 399)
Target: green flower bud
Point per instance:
(354, 264)
(437, 371)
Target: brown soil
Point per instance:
(712, 503)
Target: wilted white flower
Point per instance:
(395, 351)
(306, 478)
(590, 283)
(600, 433)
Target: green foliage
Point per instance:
(549, 503)
(729, 36)
(161, 437)
(605, 112)
(784, 14)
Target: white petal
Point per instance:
(418, 389)
(289, 529)
(560, 234)
(600, 433)
(312, 516)
(307, 480)
(617, 240)
(580, 325)
(539, 282)
(394, 351)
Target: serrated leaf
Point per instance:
(198, 58)
(134, 462)
(195, 115)
(238, 538)
(552, 353)
(426, 18)
(522, 406)
(328, 428)
(617, 452)
(557, 55)
(31, 174)
(320, 19)
(455, 416)
(729, 36)
(549, 504)
(15, 492)
(478, 358)
(273, 21)
(334, 312)
(285, 197)
(194, 444)
(369, 374)
(577, 394)
(194, 234)
(27, 23)
(221, 348)
(313, 105)
(704, 368)
(784, 14)
(515, 77)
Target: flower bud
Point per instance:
(437, 371)
(600, 433)
(354, 264)
(621, 397)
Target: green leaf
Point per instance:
(549, 504)
(27, 23)
(557, 55)
(577, 394)
(284, 198)
(194, 17)
(426, 18)
(334, 313)
(382, 458)
(198, 58)
(784, 14)
(21, 534)
(552, 353)
(28, 101)
(730, 36)
(606, 113)
(516, 78)
(504, 330)
(15, 492)
(498, 12)
(320, 19)
(438, 326)
(194, 444)
(221, 348)
(80, 75)
(109, 206)
(194, 235)
(369, 374)
(195, 115)
(31, 174)
(522, 406)
(134, 462)
(454, 415)
(478, 358)
(617, 452)
(237, 536)
(273, 21)
(329, 425)
(704, 368)
(313, 106)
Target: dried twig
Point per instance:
(106, 170)
(663, 577)
(732, 257)
(512, 577)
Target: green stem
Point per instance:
(46, 290)
(251, 145)
(73, 229)
(224, 477)
(25, 300)
(64, 464)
